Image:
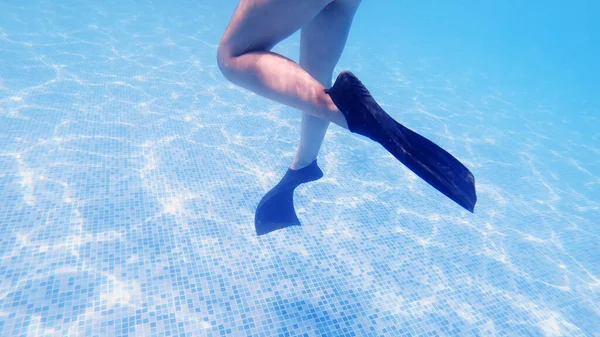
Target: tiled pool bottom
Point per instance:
(130, 171)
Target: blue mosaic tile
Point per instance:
(130, 169)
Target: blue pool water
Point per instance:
(130, 170)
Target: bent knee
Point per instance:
(226, 61)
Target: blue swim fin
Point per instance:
(426, 159)
(276, 209)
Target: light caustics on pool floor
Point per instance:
(130, 170)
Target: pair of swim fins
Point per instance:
(365, 117)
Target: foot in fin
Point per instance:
(426, 159)
(276, 209)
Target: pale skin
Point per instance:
(245, 58)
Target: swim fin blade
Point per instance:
(276, 209)
(423, 157)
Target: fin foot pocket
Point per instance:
(276, 209)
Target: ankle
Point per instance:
(330, 110)
(300, 163)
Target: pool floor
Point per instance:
(130, 170)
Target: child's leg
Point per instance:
(244, 55)
(321, 44)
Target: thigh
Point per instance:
(258, 25)
(323, 39)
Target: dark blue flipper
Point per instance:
(426, 159)
(276, 209)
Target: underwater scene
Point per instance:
(286, 168)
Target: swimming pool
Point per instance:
(130, 170)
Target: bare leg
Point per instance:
(321, 44)
(245, 59)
